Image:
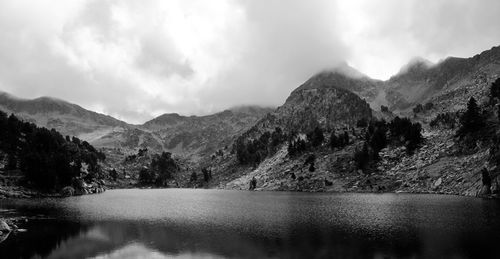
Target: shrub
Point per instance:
(193, 177)
(316, 137)
(417, 109)
(447, 120)
(146, 177)
(362, 123)
(207, 174)
(485, 177)
(339, 141)
(362, 157)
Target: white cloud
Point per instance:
(136, 59)
(384, 35)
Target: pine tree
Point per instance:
(471, 120)
(334, 142)
(378, 141)
(346, 138)
(498, 112)
(316, 137)
(495, 90)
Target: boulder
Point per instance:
(485, 190)
(4, 227)
(438, 182)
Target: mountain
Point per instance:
(330, 99)
(448, 83)
(67, 118)
(323, 101)
(327, 98)
(335, 99)
(347, 78)
(189, 136)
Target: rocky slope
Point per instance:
(333, 100)
(318, 102)
(193, 137)
(348, 78)
(436, 167)
(439, 165)
(420, 82)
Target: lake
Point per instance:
(187, 223)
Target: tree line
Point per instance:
(379, 134)
(161, 169)
(47, 160)
(253, 151)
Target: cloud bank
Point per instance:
(139, 59)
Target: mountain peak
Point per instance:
(345, 69)
(344, 77)
(416, 64)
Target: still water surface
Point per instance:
(188, 223)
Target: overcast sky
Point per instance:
(138, 59)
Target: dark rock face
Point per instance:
(346, 78)
(329, 106)
(317, 102)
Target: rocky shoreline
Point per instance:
(19, 192)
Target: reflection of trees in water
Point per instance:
(42, 237)
(135, 238)
(410, 230)
(66, 240)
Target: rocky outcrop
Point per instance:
(4, 230)
(4, 227)
(347, 78)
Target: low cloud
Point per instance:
(136, 60)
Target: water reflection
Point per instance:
(219, 224)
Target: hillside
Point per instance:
(246, 143)
(189, 136)
(67, 118)
(192, 137)
(443, 83)
(442, 163)
(38, 161)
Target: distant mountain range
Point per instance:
(67, 118)
(192, 136)
(417, 82)
(334, 98)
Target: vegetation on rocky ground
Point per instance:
(254, 151)
(47, 160)
(161, 169)
(379, 134)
